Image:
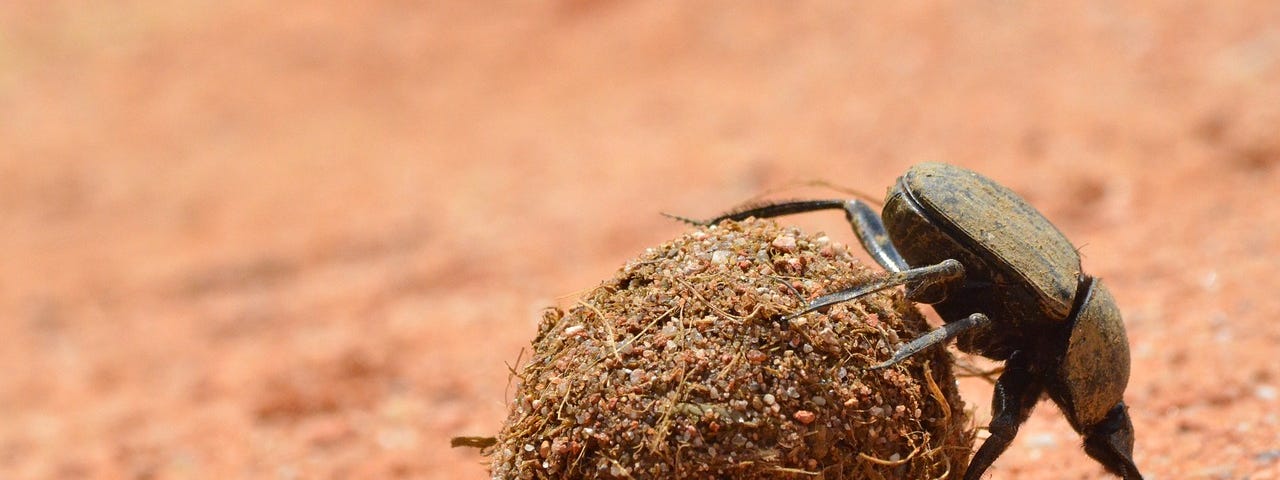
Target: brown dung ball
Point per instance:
(680, 367)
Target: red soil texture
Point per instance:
(305, 239)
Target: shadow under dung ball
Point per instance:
(679, 367)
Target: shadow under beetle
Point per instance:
(1009, 287)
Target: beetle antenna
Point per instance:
(690, 221)
(853, 192)
(1080, 249)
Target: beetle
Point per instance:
(1008, 286)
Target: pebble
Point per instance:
(1265, 392)
(720, 257)
(785, 243)
(804, 416)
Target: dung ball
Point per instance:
(683, 366)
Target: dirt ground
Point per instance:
(305, 239)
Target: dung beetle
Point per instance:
(1008, 286)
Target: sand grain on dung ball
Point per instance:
(679, 367)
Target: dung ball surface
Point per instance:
(681, 366)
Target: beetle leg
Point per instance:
(1016, 393)
(946, 271)
(940, 335)
(769, 210)
(1111, 443)
(865, 221)
(870, 229)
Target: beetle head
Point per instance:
(1111, 442)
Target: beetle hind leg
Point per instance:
(866, 224)
(1016, 394)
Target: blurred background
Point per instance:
(308, 239)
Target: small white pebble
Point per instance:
(1042, 440)
(572, 329)
(691, 267)
(528, 447)
(768, 399)
(720, 257)
(1209, 281)
(1265, 392)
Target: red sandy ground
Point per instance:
(301, 240)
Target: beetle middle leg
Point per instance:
(940, 335)
(916, 279)
(871, 232)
